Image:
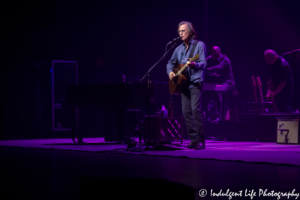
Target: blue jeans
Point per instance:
(191, 109)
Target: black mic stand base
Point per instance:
(139, 148)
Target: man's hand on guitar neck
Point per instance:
(278, 89)
(190, 64)
(270, 94)
(171, 76)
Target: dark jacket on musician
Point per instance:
(221, 66)
(281, 71)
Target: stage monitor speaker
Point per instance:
(288, 130)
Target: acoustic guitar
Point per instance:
(179, 80)
(254, 92)
(271, 89)
(261, 98)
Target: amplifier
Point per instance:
(288, 131)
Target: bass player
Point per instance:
(281, 84)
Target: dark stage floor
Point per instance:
(59, 169)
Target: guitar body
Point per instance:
(254, 92)
(176, 84)
(261, 98)
(179, 80)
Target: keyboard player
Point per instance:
(219, 66)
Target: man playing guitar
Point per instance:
(191, 91)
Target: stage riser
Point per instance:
(261, 128)
(229, 130)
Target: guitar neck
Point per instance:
(181, 70)
(260, 92)
(254, 92)
(185, 66)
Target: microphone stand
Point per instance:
(291, 51)
(149, 85)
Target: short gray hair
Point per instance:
(270, 52)
(217, 47)
(190, 28)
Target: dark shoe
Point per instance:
(81, 142)
(191, 145)
(200, 145)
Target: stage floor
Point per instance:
(59, 169)
(254, 152)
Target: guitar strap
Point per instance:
(185, 72)
(193, 50)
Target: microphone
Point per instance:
(175, 40)
(208, 57)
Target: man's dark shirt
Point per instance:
(280, 71)
(221, 66)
